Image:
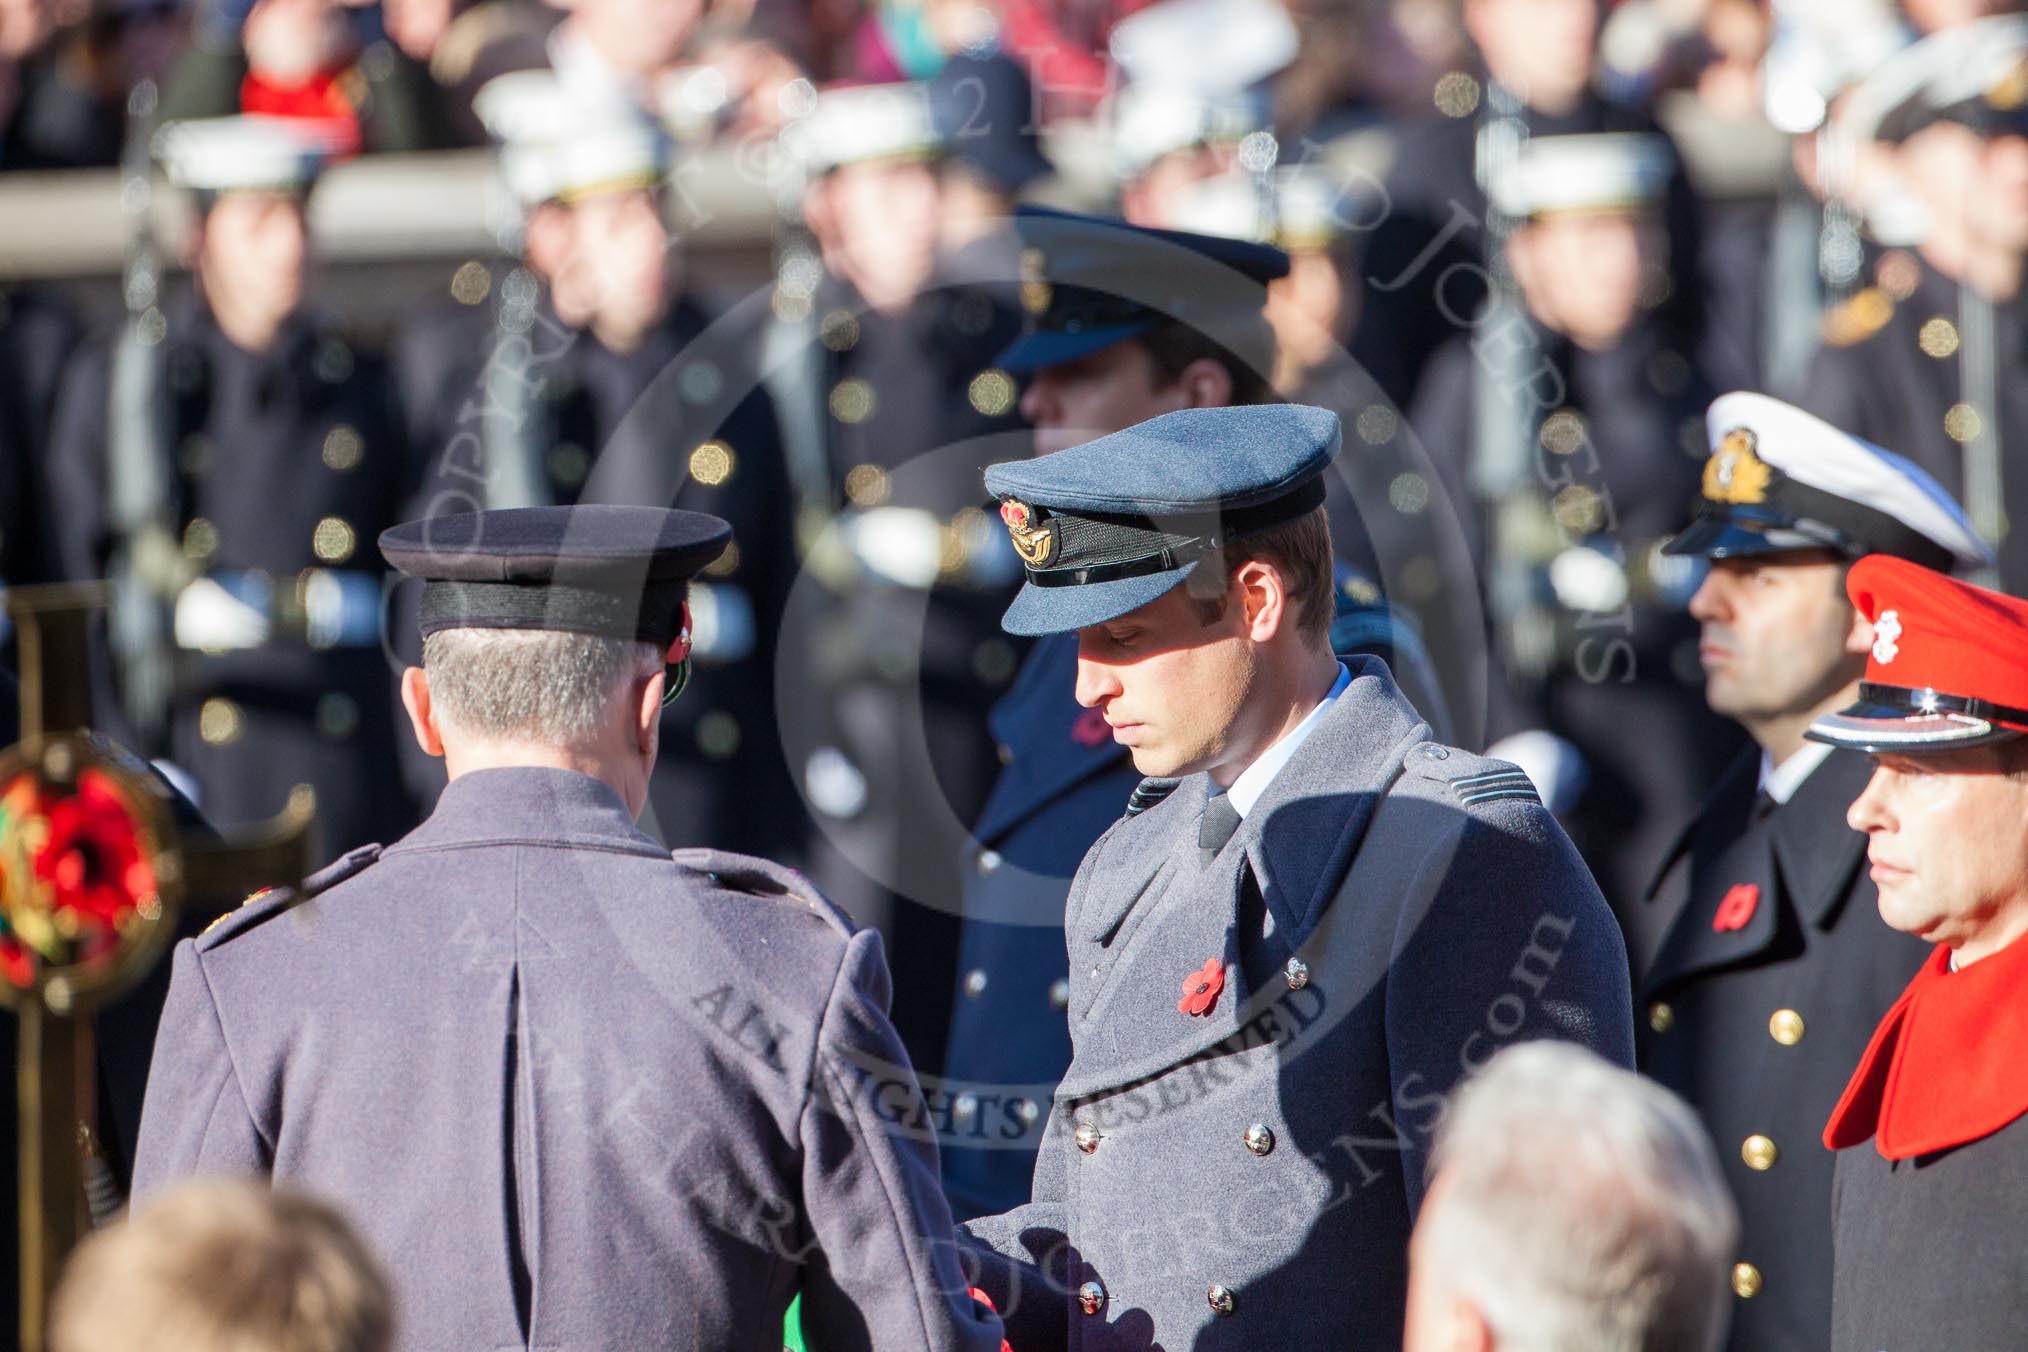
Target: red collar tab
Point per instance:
(1944, 1067)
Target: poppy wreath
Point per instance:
(75, 874)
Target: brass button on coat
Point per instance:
(1661, 1016)
(1059, 994)
(1785, 1027)
(1221, 1300)
(1086, 1136)
(1746, 1280)
(1091, 1297)
(1259, 1139)
(1297, 973)
(1759, 1153)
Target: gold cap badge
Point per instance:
(1032, 541)
(1735, 472)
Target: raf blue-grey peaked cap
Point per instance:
(1107, 527)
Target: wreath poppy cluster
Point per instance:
(75, 874)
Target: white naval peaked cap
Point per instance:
(1212, 46)
(858, 124)
(1782, 479)
(244, 153)
(558, 145)
(1586, 171)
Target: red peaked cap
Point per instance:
(1949, 665)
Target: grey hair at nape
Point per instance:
(532, 685)
(1582, 1208)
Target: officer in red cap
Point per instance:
(1928, 1223)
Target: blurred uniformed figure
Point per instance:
(36, 338)
(1124, 323)
(587, 372)
(586, 1095)
(881, 365)
(1341, 903)
(1761, 963)
(228, 461)
(1929, 1188)
(1933, 361)
(1427, 262)
(1577, 414)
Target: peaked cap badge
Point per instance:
(1034, 541)
(1735, 472)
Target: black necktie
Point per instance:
(1221, 819)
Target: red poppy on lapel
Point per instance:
(1737, 908)
(1090, 729)
(1201, 988)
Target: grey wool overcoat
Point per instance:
(1389, 914)
(577, 1094)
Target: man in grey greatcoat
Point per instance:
(1352, 915)
(575, 1092)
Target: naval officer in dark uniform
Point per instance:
(228, 460)
(588, 373)
(1762, 965)
(1927, 1214)
(1352, 914)
(1121, 328)
(1933, 360)
(575, 1092)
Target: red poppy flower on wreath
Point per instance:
(1201, 988)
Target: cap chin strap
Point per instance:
(677, 660)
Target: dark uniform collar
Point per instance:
(533, 805)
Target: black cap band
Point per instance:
(1108, 548)
(1822, 520)
(1920, 702)
(653, 613)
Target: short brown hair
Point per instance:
(1300, 551)
(217, 1266)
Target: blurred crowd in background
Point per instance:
(771, 278)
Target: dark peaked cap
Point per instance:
(1106, 527)
(618, 572)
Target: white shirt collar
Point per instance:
(1253, 781)
(1780, 782)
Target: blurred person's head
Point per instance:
(1314, 308)
(217, 1266)
(1588, 248)
(1789, 502)
(251, 256)
(606, 257)
(416, 26)
(552, 635)
(1126, 323)
(637, 38)
(874, 199)
(249, 179)
(288, 41)
(589, 176)
(1543, 51)
(1934, 16)
(26, 24)
(1573, 1207)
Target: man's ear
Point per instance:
(1264, 599)
(648, 713)
(422, 715)
(1206, 384)
(546, 240)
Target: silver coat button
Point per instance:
(989, 860)
(1221, 1300)
(1259, 1139)
(1091, 1297)
(975, 982)
(1086, 1136)
(1437, 752)
(1059, 993)
(1297, 973)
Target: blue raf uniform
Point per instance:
(1091, 284)
(1242, 1168)
(1764, 964)
(586, 1094)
